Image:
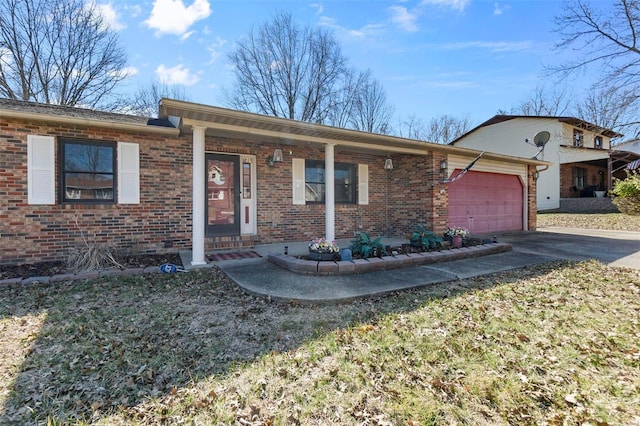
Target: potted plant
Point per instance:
(457, 236)
(322, 249)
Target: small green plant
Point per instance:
(424, 238)
(627, 194)
(363, 246)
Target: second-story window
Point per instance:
(578, 138)
(597, 142)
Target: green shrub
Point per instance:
(627, 194)
(424, 238)
(364, 247)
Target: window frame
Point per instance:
(351, 192)
(579, 174)
(578, 138)
(63, 143)
(598, 142)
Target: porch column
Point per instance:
(330, 196)
(197, 214)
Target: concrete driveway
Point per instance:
(615, 248)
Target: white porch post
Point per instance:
(197, 239)
(330, 196)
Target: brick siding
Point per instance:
(567, 188)
(410, 194)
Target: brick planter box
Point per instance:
(360, 266)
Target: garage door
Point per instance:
(486, 202)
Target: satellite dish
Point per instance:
(541, 138)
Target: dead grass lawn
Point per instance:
(552, 344)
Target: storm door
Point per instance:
(223, 195)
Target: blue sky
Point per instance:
(433, 57)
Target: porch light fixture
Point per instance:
(388, 164)
(277, 157)
(443, 169)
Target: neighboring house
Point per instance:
(579, 153)
(626, 156)
(202, 178)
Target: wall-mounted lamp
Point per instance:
(277, 157)
(444, 167)
(388, 164)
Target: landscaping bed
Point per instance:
(47, 269)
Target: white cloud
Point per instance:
(125, 72)
(173, 17)
(215, 49)
(365, 31)
(403, 18)
(176, 75)
(110, 16)
(318, 7)
(458, 5)
(494, 46)
(499, 10)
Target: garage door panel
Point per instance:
(486, 202)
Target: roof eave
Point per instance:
(23, 115)
(241, 122)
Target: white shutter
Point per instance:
(298, 181)
(41, 170)
(363, 184)
(128, 173)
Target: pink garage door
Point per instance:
(486, 202)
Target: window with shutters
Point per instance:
(344, 181)
(87, 171)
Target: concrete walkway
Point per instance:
(529, 248)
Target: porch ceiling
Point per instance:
(284, 131)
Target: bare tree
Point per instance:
(352, 81)
(371, 112)
(446, 128)
(285, 71)
(606, 38)
(412, 127)
(544, 102)
(58, 52)
(442, 130)
(611, 108)
(145, 101)
(300, 73)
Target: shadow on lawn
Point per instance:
(109, 344)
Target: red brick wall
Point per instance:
(398, 200)
(567, 189)
(161, 222)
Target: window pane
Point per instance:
(344, 183)
(88, 171)
(314, 174)
(314, 192)
(88, 158)
(88, 186)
